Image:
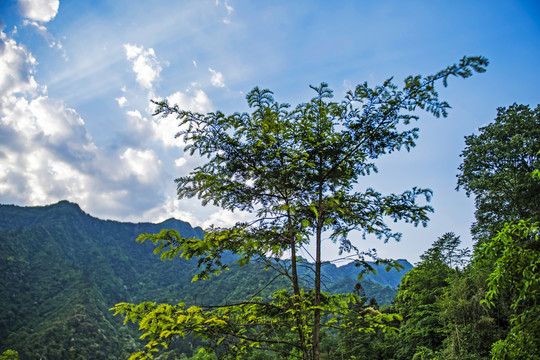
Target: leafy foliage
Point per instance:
(417, 301)
(440, 304)
(497, 166)
(470, 327)
(517, 250)
(295, 171)
(9, 355)
(240, 328)
(500, 168)
(489, 305)
(446, 250)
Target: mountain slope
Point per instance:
(62, 269)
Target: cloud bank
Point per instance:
(47, 153)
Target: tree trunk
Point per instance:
(298, 316)
(296, 290)
(318, 263)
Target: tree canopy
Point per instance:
(497, 166)
(516, 249)
(295, 170)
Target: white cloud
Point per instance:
(160, 129)
(144, 164)
(192, 100)
(42, 30)
(225, 218)
(122, 101)
(229, 9)
(39, 10)
(217, 78)
(144, 64)
(16, 68)
(47, 153)
(170, 207)
(138, 124)
(58, 123)
(180, 162)
(164, 129)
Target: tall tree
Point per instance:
(295, 171)
(419, 294)
(446, 250)
(516, 249)
(496, 169)
(514, 256)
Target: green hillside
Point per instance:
(62, 269)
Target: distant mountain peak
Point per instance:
(67, 203)
(171, 221)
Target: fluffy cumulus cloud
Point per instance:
(16, 69)
(180, 162)
(147, 69)
(217, 78)
(143, 164)
(122, 101)
(47, 153)
(39, 10)
(192, 100)
(144, 63)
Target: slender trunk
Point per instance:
(298, 315)
(318, 263)
(296, 290)
(317, 302)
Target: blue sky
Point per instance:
(76, 78)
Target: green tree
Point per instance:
(496, 168)
(440, 303)
(350, 343)
(446, 250)
(516, 274)
(417, 300)
(295, 171)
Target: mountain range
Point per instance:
(61, 270)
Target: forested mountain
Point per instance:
(62, 270)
